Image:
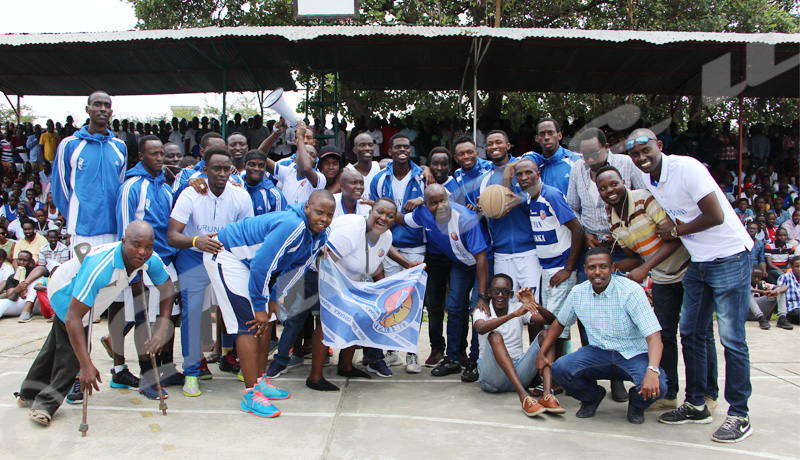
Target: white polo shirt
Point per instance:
(296, 190)
(361, 208)
(209, 213)
(374, 170)
(684, 182)
(348, 238)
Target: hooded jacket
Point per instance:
(87, 173)
(147, 198)
(402, 237)
(266, 197)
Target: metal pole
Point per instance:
(19, 114)
(224, 126)
(741, 120)
(475, 92)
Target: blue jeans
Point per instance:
(194, 280)
(721, 286)
(494, 380)
(667, 302)
(463, 280)
(291, 328)
(578, 373)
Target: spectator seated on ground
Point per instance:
(20, 296)
(6, 270)
(502, 364)
(792, 281)
(763, 300)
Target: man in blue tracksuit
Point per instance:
(555, 162)
(280, 243)
(89, 168)
(471, 167)
(266, 197)
(209, 140)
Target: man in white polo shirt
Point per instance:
(717, 280)
(363, 147)
(301, 178)
(348, 201)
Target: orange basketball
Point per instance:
(493, 201)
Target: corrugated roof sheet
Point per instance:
(377, 57)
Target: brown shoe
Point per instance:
(435, 358)
(105, 341)
(550, 403)
(531, 407)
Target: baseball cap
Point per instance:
(329, 150)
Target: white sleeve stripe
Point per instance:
(297, 232)
(107, 259)
(125, 209)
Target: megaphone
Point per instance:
(276, 102)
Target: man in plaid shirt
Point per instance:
(792, 281)
(624, 340)
(56, 251)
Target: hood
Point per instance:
(266, 184)
(139, 170)
(83, 133)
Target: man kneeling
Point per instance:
(624, 340)
(502, 365)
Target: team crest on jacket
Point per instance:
(542, 215)
(454, 236)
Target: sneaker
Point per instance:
(711, 404)
(734, 429)
(435, 358)
(531, 407)
(230, 363)
(258, 405)
(393, 359)
(783, 323)
(686, 414)
(269, 390)
(191, 388)
(25, 317)
(75, 395)
(380, 368)
(275, 370)
(662, 405)
(446, 367)
(618, 391)
(205, 372)
(588, 409)
(551, 404)
(763, 323)
(295, 361)
(151, 392)
(470, 373)
(105, 341)
(170, 379)
(412, 364)
(635, 416)
(123, 379)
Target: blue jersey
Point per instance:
(274, 243)
(466, 181)
(511, 234)
(381, 186)
(450, 185)
(266, 197)
(147, 198)
(459, 239)
(556, 169)
(549, 212)
(87, 172)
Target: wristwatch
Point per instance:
(654, 369)
(674, 232)
(483, 296)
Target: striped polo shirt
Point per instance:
(638, 233)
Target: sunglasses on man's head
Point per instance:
(641, 140)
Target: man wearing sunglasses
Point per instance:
(716, 281)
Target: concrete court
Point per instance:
(407, 416)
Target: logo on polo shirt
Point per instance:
(454, 236)
(381, 253)
(542, 215)
(303, 183)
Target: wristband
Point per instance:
(194, 241)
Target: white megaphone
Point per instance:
(276, 102)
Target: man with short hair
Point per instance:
(777, 253)
(719, 247)
(49, 141)
(365, 164)
(764, 298)
(555, 162)
(299, 178)
(20, 294)
(348, 201)
(265, 195)
(31, 241)
(471, 167)
(89, 168)
(792, 227)
(792, 281)
(624, 340)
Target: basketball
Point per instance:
(493, 201)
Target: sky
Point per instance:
(58, 16)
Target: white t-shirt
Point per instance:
(377, 140)
(374, 170)
(511, 330)
(283, 146)
(16, 228)
(399, 189)
(6, 270)
(296, 190)
(205, 214)
(684, 182)
(361, 208)
(177, 138)
(347, 240)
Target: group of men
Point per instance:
(252, 229)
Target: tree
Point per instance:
(9, 114)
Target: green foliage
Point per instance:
(8, 114)
(237, 103)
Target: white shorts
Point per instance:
(154, 299)
(524, 268)
(230, 279)
(390, 267)
(553, 297)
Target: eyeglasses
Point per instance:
(593, 154)
(641, 140)
(503, 292)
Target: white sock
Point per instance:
(118, 369)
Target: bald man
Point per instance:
(79, 293)
(363, 148)
(349, 200)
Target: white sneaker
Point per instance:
(393, 359)
(412, 364)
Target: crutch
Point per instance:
(81, 250)
(162, 405)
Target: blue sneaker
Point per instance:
(275, 370)
(151, 392)
(123, 379)
(269, 390)
(380, 368)
(295, 361)
(255, 403)
(171, 377)
(75, 395)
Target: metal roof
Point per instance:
(378, 57)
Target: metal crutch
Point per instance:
(80, 252)
(162, 405)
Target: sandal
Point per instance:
(21, 402)
(41, 417)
